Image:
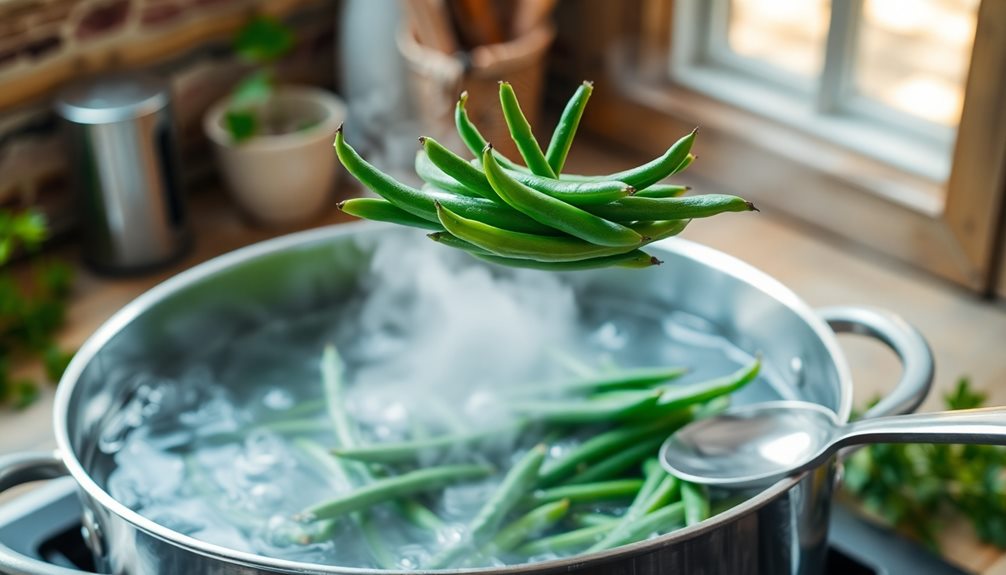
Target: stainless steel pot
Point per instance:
(781, 530)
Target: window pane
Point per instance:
(785, 34)
(913, 55)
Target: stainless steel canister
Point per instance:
(124, 168)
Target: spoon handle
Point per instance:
(985, 426)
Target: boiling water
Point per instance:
(429, 341)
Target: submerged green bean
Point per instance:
(528, 526)
(565, 542)
(384, 211)
(618, 463)
(416, 450)
(660, 521)
(678, 396)
(594, 383)
(520, 132)
(600, 446)
(615, 489)
(389, 488)
(554, 212)
(594, 519)
(588, 410)
(565, 130)
(696, 500)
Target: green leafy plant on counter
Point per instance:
(262, 42)
(32, 308)
(917, 487)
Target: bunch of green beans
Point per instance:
(536, 216)
(546, 501)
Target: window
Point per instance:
(883, 77)
(879, 121)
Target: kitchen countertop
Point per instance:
(965, 333)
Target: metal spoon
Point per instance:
(756, 445)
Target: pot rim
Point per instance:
(335, 114)
(721, 261)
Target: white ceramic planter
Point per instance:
(281, 179)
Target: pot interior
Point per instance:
(214, 356)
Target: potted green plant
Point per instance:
(273, 144)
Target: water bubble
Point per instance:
(278, 399)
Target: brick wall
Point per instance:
(46, 43)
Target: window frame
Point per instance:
(827, 106)
(949, 228)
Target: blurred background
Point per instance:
(140, 137)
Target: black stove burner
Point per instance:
(44, 524)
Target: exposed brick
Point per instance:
(102, 19)
(160, 14)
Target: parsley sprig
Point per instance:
(31, 308)
(916, 487)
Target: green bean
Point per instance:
(575, 193)
(634, 259)
(644, 176)
(565, 542)
(414, 451)
(521, 245)
(565, 130)
(518, 481)
(472, 138)
(520, 132)
(712, 407)
(457, 168)
(588, 411)
(377, 544)
(554, 212)
(384, 211)
(606, 443)
(615, 489)
(624, 379)
(439, 179)
(696, 500)
(388, 488)
(422, 202)
(684, 164)
(455, 242)
(618, 463)
(663, 191)
(653, 474)
(593, 519)
(636, 208)
(678, 396)
(420, 516)
(655, 493)
(659, 521)
(529, 526)
(660, 229)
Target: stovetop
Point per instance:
(45, 524)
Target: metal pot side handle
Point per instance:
(16, 469)
(906, 341)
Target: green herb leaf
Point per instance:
(242, 125)
(913, 487)
(263, 40)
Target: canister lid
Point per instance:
(108, 99)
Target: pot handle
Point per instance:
(906, 341)
(16, 469)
